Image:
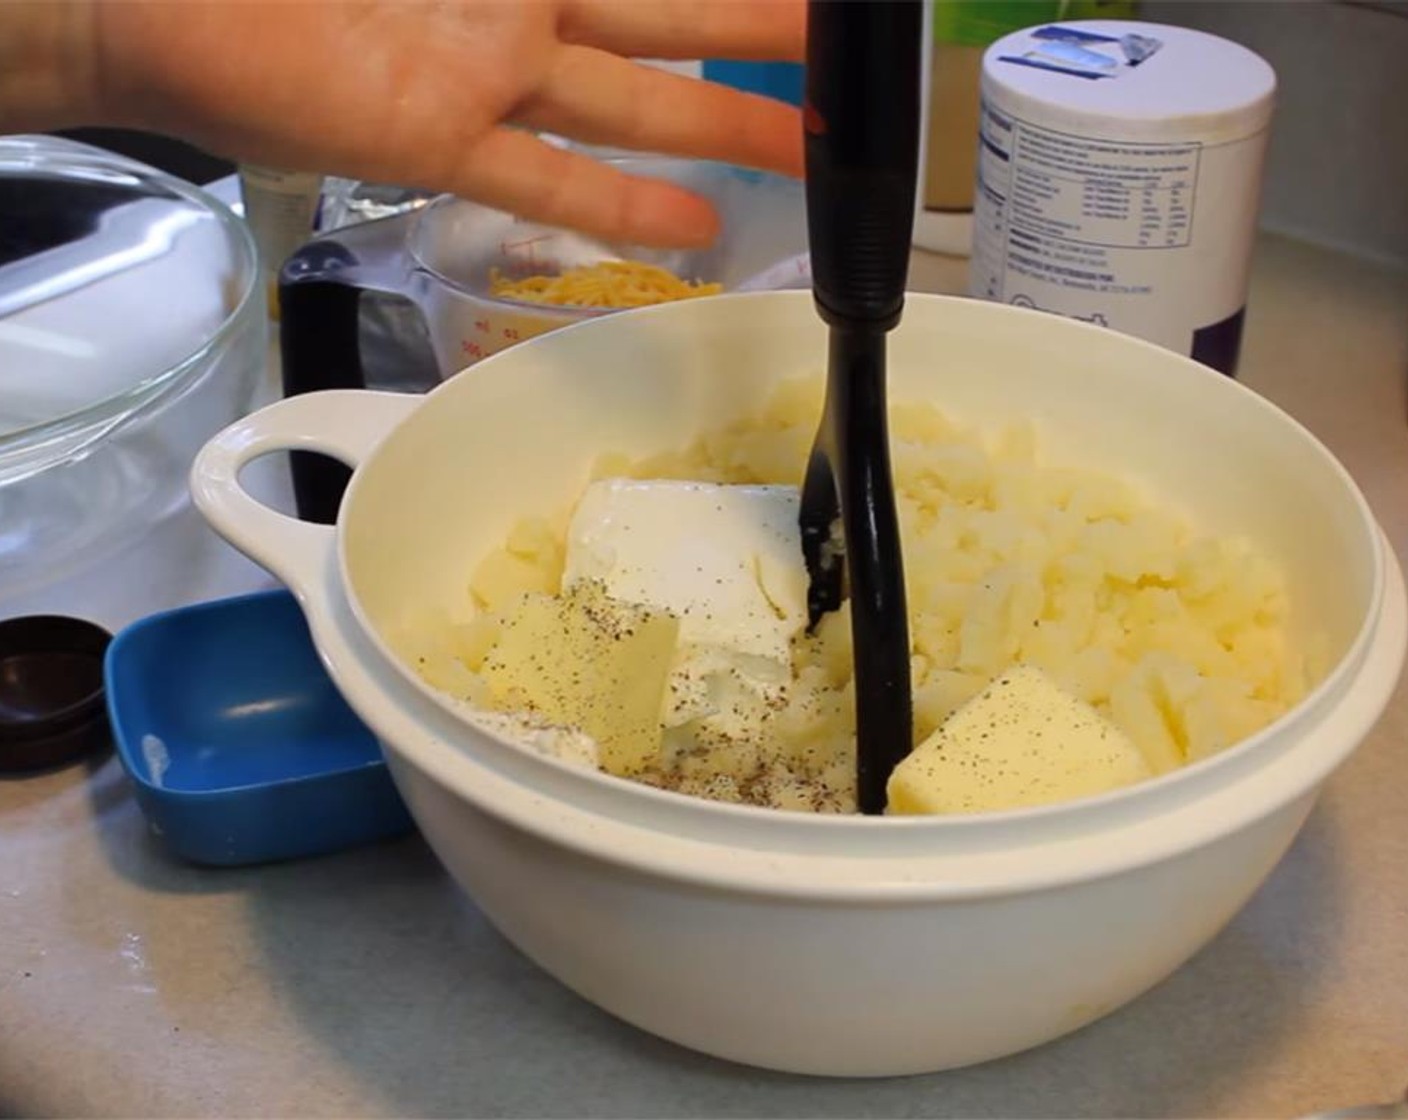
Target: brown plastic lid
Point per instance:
(53, 708)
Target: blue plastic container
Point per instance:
(240, 747)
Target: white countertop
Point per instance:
(365, 984)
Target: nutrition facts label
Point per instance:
(1104, 194)
(1066, 209)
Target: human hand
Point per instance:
(440, 95)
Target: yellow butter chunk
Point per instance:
(1020, 742)
(585, 661)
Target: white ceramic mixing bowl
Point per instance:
(842, 946)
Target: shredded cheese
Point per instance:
(612, 284)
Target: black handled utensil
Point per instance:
(862, 142)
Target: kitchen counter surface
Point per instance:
(365, 984)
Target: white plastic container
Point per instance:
(1119, 179)
(819, 944)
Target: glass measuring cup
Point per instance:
(443, 255)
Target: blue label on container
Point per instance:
(1083, 54)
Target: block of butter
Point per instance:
(586, 662)
(1022, 741)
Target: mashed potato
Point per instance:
(1181, 640)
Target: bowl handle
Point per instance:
(344, 423)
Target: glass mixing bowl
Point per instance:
(131, 329)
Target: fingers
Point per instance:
(600, 98)
(515, 171)
(760, 30)
(411, 93)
